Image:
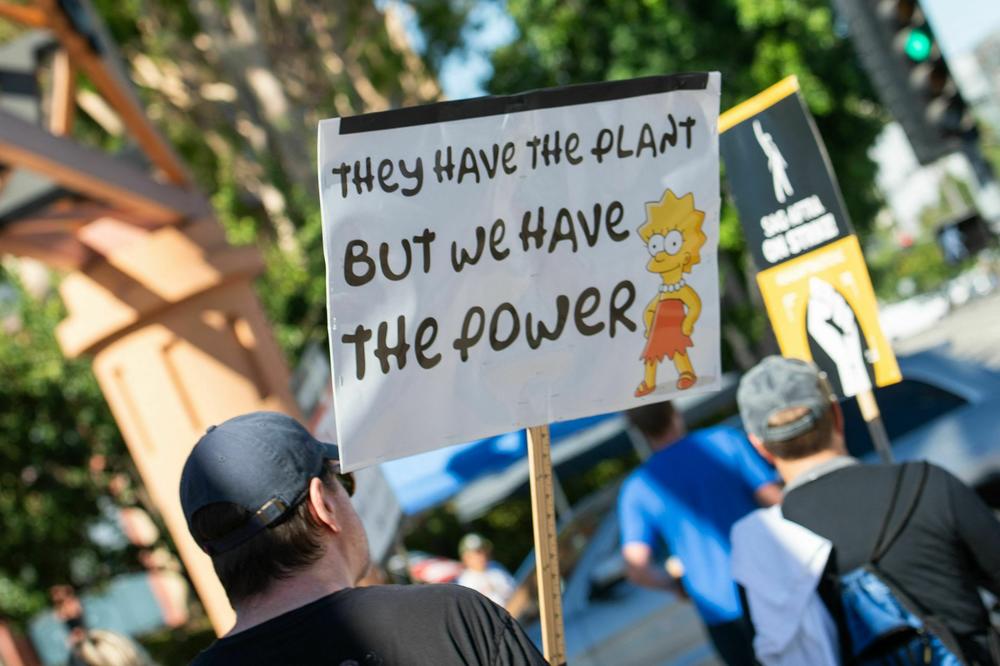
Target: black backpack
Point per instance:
(883, 624)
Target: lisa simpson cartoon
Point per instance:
(672, 233)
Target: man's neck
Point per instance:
(667, 440)
(793, 469)
(283, 596)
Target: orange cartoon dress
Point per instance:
(665, 336)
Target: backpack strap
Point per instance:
(931, 622)
(883, 543)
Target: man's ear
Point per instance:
(321, 505)
(839, 442)
(761, 449)
(838, 417)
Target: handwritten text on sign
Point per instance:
(491, 268)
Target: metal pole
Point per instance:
(564, 510)
(987, 190)
(639, 443)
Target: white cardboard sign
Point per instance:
(504, 262)
(374, 499)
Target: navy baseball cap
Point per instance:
(262, 462)
(776, 384)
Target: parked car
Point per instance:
(417, 566)
(945, 410)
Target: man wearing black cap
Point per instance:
(267, 502)
(932, 537)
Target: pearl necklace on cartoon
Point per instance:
(675, 286)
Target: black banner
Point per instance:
(547, 98)
(780, 177)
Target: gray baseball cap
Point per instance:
(776, 384)
(262, 461)
(473, 541)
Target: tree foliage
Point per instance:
(58, 447)
(753, 43)
(919, 267)
(237, 87)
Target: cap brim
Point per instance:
(330, 451)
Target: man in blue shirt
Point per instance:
(688, 494)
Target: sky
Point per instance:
(960, 24)
(464, 76)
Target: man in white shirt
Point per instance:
(482, 574)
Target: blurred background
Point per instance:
(906, 96)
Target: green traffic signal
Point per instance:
(918, 45)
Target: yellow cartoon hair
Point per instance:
(671, 213)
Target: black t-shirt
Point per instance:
(949, 544)
(383, 626)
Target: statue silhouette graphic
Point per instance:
(776, 163)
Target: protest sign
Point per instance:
(374, 500)
(812, 276)
(506, 262)
(823, 308)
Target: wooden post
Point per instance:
(873, 419)
(63, 104)
(543, 518)
(91, 173)
(113, 85)
(30, 16)
(179, 342)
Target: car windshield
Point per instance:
(904, 406)
(573, 539)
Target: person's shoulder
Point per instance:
(881, 470)
(865, 478)
(639, 487)
(496, 566)
(937, 481)
(867, 471)
(718, 435)
(889, 473)
(458, 601)
(634, 481)
(203, 658)
(721, 430)
(443, 600)
(213, 655)
(408, 592)
(753, 522)
(446, 593)
(937, 473)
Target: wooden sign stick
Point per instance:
(543, 518)
(873, 419)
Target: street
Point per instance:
(971, 332)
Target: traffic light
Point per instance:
(898, 49)
(964, 236)
(929, 77)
